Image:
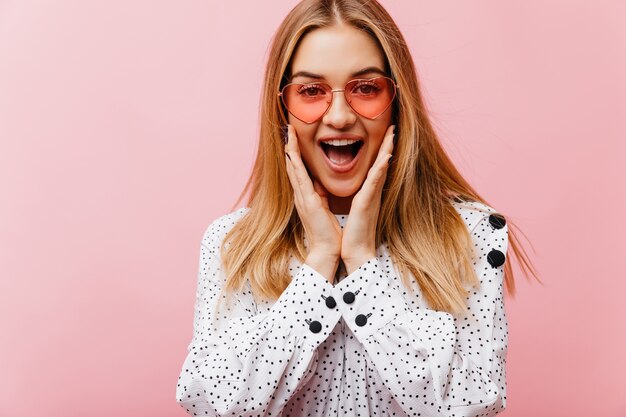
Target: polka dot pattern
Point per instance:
(365, 346)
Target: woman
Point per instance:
(355, 282)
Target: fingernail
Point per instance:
(283, 133)
(288, 156)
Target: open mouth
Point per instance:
(341, 151)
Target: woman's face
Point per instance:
(336, 54)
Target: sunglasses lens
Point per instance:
(307, 102)
(368, 97)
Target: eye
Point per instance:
(366, 88)
(310, 90)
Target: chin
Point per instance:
(344, 188)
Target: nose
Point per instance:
(340, 114)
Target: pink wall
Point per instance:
(127, 126)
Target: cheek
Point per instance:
(372, 155)
(376, 135)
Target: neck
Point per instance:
(339, 205)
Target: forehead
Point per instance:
(336, 53)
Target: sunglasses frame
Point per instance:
(332, 96)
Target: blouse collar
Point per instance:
(342, 219)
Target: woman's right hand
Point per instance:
(322, 229)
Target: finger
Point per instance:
(299, 169)
(386, 147)
(377, 173)
(292, 141)
(297, 193)
(323, 193)
(289, 150)
(300, 178)
(388, 142)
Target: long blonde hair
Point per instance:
(425, 235)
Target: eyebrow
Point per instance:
(366, 70)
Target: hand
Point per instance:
(320, 224)
(359, 234)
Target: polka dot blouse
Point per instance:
(364, 346)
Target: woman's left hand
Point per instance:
(358, 243)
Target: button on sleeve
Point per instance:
(244, 363)
(304, 301)
(434, 362)
(368, 300)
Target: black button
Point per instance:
(497, 220)
(315, 326)
(495, 258)
(360, 320)
(330, 302)
(348, 297)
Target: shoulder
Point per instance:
(488, 230)
(219, 227)
(474, 213)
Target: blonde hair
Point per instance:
(425, 235)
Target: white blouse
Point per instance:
(365, 346)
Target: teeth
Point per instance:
(340, 142)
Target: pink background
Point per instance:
(126, 127)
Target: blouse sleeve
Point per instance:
(240, 363)
(431, 361)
